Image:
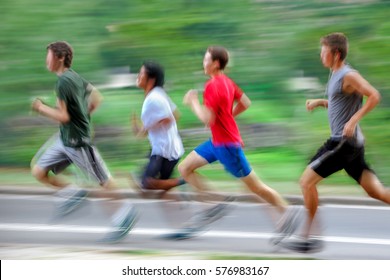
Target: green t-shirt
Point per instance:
(74, 91)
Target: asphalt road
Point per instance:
(350, 232)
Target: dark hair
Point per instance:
(62, 49)
(220, 54)
(154, 71)
(337, 42)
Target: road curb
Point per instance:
(292, 199)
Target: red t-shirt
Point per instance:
(219, 96)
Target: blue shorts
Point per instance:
(230, 156)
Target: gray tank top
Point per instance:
(342, 106)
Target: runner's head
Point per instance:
(215, 60)
(154, 71)
(337, 43)
(219, 54)
(59, 52)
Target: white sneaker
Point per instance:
(70, 198)
(122, 228)
(135, 182)
(287, 224)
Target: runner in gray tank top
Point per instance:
(342, 107)
(345, 148)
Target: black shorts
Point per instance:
(337, 155)
(158, 167)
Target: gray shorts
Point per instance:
(56, 157)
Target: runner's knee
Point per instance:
(374, 194)
(148, 183)
(38, 173)
(305, 184)
(109, 184)
(374, 191)
(183, 170)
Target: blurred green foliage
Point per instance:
(270, 43)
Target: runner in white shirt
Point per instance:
(159, 115)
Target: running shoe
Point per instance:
(217, 212)
(183, 233)
(303, 245)
(200, 221)
(287, 224)
(123, 228)
(208, 216)
(71, 202)
(136, 182)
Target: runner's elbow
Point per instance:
(245, 102)
(377, 98)
(64, 119)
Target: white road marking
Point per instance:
(363, 207)
(160, 231)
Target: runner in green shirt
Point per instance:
(76, 100)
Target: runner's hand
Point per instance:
(349, 128)
(36, 105)
(190, 97)
(134, 123)
(311, 104)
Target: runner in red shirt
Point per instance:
(223, 101)
(219, 96)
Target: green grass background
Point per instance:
(270, 42)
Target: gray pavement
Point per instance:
(13, 250)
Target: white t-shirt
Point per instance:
(165, 140)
